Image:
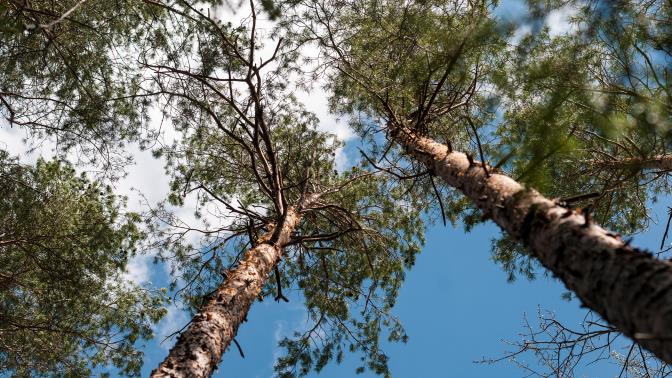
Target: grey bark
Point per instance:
(200, 347)
(628, 287)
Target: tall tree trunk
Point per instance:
(658, 162)
(629, 288)
(200, 347)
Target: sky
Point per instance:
(456, 304)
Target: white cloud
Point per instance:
(280, 332)
(174, 320)
(13, 140)
(298, 321)
(342, 161)
(315, 99)
(146, 179)
(520, 33)
(559, 21)
(138, 269)
(316, 102)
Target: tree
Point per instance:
(99, 102)
(254, 158)
(608, 82)
(606, 102)
(454, 49)
(64, 305)
(68, 73)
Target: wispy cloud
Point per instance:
(317, 101)
(299, 321)
(559, 21)
(13, 140)
(520, 33)
(138, 269)
(174, 320)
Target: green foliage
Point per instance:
(349, 280)
(351, 283)
(579, 105)
(348, 255)
(67, 70)
(514, 258)
(64, 305)
(568, 115)
(391, 57)
(271, 8)
(424, 64)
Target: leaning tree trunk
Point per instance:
(656, 162)
(200, 347)
(629, 288)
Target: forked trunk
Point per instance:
(200, 347)
(629, 288)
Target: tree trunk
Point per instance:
(629, 288)
(200, 347)
(657, 162)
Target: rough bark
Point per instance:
(200, 347)
(657, 162)
(629, 288)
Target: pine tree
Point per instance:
(65, 307)
(253, 157)
(421, 70)
(68, 73)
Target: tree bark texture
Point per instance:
(629, 288)
(200, 347)
(657, 162)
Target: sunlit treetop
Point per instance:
(591, 109)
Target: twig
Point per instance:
(436, 191)
(240, 350)
(667, 227)
(480, 148)
(277, 281)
